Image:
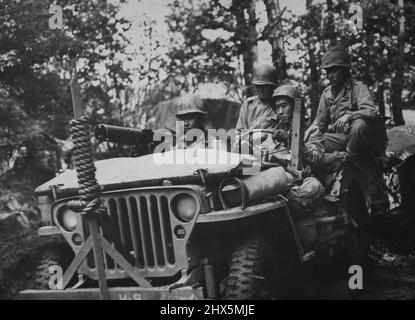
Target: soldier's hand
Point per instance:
(316, 156)
(312, 156)
(311, 131)
(342, 124)
(281, 135)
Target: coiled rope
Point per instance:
(89, 192)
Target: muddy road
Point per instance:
(391, 277)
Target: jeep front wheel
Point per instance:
(252, 272)
(57, 255)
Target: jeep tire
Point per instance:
(58, 254)
(252, 272)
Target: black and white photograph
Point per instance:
(210, 150)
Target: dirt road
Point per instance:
(390, 278)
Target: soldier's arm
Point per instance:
(322, 119)
(242, 118)
(314, 149)
(365, 103)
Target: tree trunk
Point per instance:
(397, 81)
(329, 25)
(248, 35)
(315, 87)
(252, 50)
(275, 38)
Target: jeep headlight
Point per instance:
(184, 206)
(68, 219)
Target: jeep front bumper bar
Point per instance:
(120, 293)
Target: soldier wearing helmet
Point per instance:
(257, 110)
(192, 112)
(283, 103)
(347, 115)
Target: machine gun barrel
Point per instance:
(104, 132)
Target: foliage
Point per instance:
(36, 58)
(373, 48)
(193, 57)
(207, 41)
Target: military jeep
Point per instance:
(193, 231)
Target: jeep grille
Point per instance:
(146, 225)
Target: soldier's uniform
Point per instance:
(353, 99)
(311, 144)
(255, 114)
(363, 135)
(366, 135)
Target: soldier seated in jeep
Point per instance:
(256, 110)
(283, 105)
(192, 113)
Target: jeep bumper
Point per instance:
(121, 293)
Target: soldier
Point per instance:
(283, 103)
(347, 116)
(256, 111)
(192, 111)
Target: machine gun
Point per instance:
(130, 136)
(141, 139)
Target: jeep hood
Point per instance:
(153, 169)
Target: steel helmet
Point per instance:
(190, 103)
(336, 56)
(265, 74)
(287, 91)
